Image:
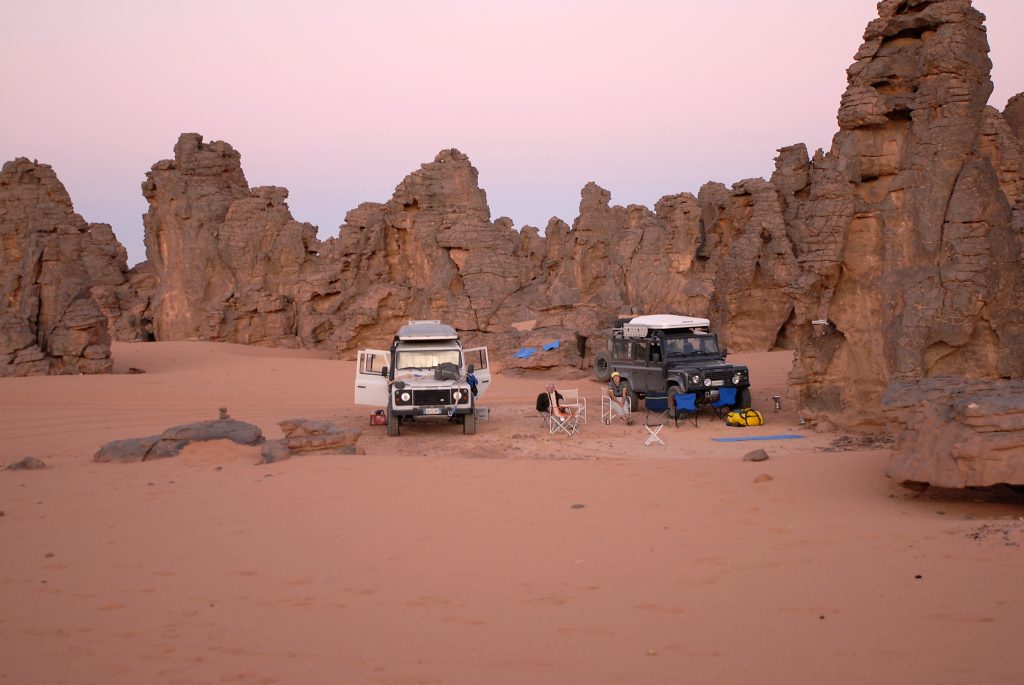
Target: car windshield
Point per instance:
(691, 344)
(425, 359)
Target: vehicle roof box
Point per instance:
(427, 330)
(639, 326)
(669, 321)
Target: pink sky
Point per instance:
(338, 101)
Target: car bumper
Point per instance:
(431, 411)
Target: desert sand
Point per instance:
(510, 556)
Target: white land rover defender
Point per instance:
(426, 373)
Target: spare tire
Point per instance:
(602, 367)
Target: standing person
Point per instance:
(618, 392)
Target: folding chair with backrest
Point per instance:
(655, 406)
(606, 409)
(726, 399)
(561, 419)
(655, 409)
(575, 402)
(684, 405)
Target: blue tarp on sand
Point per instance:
(758, 437)
(525, 352)
(552, 345)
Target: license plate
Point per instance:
(717, 384)
(432, 410)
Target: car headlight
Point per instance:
(457, 395)
(736, 378)
(695, 378)
(405, 397)
(707, 382)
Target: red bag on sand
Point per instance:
(378, 418)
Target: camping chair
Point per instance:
(724, 403)
(573, 401)
(655, 408)
(606, 409)
(684, 405)
(563, 421)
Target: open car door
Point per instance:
(477, 356)
(371, 382)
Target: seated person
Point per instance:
(555, 403)
(618, 392)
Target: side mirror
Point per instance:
(725, 352)
(470, 369)
(384, 371)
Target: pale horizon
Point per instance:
(338, 102)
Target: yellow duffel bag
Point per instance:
(744, 417)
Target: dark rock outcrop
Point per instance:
(26, 464)
(174, 439)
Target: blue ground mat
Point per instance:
(758, 437)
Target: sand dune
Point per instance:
(510, 556)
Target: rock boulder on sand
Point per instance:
(174, 439)
(954, 433)
(307, 435)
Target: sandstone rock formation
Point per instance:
(218, 251)
(429, 252)
(1014, 114)
(231, 264)
(50, 259)
(903, 230)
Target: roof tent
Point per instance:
(427, 330)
